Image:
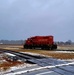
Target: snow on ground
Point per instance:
(1, 58)
(12, 48)
(64, 51)
(12, 68)
(10, 54)
(28, 65)
(30, 53)
(17, 67)
(20, 67)
(45, 67)
(68, 60)
(33, 53)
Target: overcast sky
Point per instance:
(20, 19)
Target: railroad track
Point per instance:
(55, 65)
(23, 55)
(40, 60)
(29, 58)
(56, 50)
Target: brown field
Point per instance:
(66, 47)
(6, 64)
(50, 53)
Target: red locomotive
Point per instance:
(43, 42)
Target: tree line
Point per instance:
(11, 41)
(69, 42)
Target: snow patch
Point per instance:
(33, 53)
(10, 54)
(64, 51)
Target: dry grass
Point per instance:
(6, 64)
(48, 53)
(66, 47)
(53, 54)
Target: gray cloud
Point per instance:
(20, 19)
